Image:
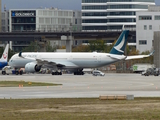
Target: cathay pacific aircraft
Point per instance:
(33, 61)
(4, 58)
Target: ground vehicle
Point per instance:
(9, 70)
(98, 73)
(151, 71)
(139, 68)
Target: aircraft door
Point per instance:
(95, 58)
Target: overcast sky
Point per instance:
(61, 4)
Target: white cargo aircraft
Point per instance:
(33, 61)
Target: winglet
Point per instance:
(152, 53)
(139, 56)
(123, 27)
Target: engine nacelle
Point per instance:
(32, 67)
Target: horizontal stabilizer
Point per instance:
(138, 56)
(118, 57)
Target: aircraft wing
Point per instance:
(55, 63)
(138, 56)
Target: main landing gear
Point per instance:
(79, 73)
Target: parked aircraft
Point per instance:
(76, 62)
(4, 58)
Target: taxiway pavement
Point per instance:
(86, 86)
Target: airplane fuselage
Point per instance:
(71, 60)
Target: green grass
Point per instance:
(80, 109)
(24, 84)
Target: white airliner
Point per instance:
(4, 58)
(32, 62)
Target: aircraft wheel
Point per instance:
(21, 72)
(56, 73)
(17, 72)
(82, 73)
(3, 72)
(53, 73)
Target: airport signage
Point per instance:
(16, 14)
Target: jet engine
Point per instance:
(32, 67)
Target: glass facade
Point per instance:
(104, 1)
(23, 27)
(114, 7)
(23, 20)
(111, 14)
(108, 20)
(101, 27)
(157, 17)
(145, 17)
(142, 42)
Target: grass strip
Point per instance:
(24, 84)
(80, 109)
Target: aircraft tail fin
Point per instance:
(5, 53)
(120, 45)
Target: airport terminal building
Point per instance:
(50, 19)
(40, 20)
(111, 14)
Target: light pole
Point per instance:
(70, 37)
(71, 31)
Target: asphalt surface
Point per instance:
(86, 86)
